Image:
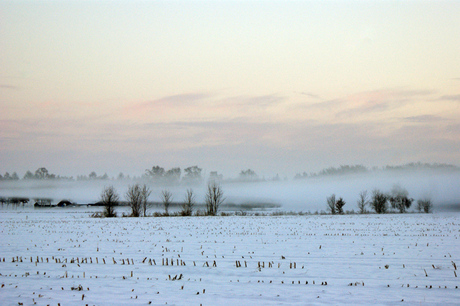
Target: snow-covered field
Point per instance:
(293, 260)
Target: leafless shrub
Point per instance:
(362, 202)
(145, 193)
(331, 204)
(189, 202)
(200, 213)
(157, 214)
(166, 198)
(213, 198)
(109, 198)
(425, 205)
(134, 198)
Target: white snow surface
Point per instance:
(285, 260)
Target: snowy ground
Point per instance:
(293, 260)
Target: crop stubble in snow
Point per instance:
(365, 259)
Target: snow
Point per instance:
(384, 257)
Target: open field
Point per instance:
(52, 257)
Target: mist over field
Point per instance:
(306, 195)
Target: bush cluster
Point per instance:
(381, 202)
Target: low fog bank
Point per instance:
(307, 194)
(310, 194)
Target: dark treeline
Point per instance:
(40, 174)
(194, 174)
(156, 174)
(360, 169)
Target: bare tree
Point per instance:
(189, 202)
(134, 198)
(362, 202)
(425, 204)
(214, 198)
(145, 193)
(339, 206)
(166, 198)
(428, 206)
(331, 204)
(109, 198)
(379, 201)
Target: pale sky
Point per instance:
(275, 86)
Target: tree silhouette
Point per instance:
(189, 202)
(109, 198)
(166, 198)
(339, 206)
(214, 198)
(379, 201)
(331, 204)
(362, 202)
(134, 198)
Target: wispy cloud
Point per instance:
(377, 101)
(6, 86)
(450, 98)
(182, 98)
(424, 118)
(202, 106)
(327, 104)
(380, 102)
(309, 94)
(368, 107)
(255, 101)
(172, 101)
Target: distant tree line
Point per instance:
(342, 170)
(157, 174)
(194, 174)
(92, 176)
(360, 169)
(9, 177)
(396, 200)
(39, 174)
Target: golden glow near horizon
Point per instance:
(280, 87)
